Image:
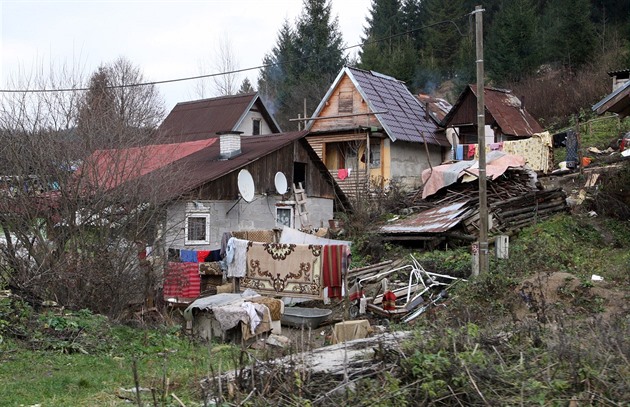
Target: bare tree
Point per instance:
(115, 111)
(223, 62)
(72, 219)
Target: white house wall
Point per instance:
(408, 160)
(258, 214)
(247, 125)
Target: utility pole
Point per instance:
(481, 140)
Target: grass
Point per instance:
(87, 361)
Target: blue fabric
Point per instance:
(459, 155)
(188, 256)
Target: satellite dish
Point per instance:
(246, 185)
(280, 182)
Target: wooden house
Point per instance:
(369, 130)
(505, 117)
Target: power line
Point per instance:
(190, 78)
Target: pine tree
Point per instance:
(387, 47)
(569, 35)
(512, 49)
(303, 63)
(442, 38)
(246, 87)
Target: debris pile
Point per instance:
(393, 290)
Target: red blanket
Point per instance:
(182, 280)
(332, 269)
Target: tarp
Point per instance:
(290, 235)
(442, 176)
(497, 162)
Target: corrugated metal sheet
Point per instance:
(436, 220)
(406, 118)
(508, 112)
(502, 106)
(616, 102)
(438, 108)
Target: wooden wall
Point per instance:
(263, 172)
(338, 104)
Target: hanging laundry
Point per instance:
(224, 240)
(188, 256)
(342, 174)
(332, 269)
(470, 154)
(201, 255)
(236, 257)
(459, 152)
(284, 269)
(214, 255)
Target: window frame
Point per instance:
(254, 122)
(186, 228)
(291, 207)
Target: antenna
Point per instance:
(280, 181)
(246, 185)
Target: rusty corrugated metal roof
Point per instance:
(202, 119)
(509, 113)
(504, 108)
(435, 220)
(438, 108)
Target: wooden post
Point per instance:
(481, 142)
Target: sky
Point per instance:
(165, 39)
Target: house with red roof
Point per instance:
(200, 184)
(370, 130)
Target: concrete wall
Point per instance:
(247, 125)
(258, 214)
(408, 160)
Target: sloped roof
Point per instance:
(202, 119)
(111, 168)
(399, 112)
(616, 102)
(185, 166)
(438, 107)
(505, 108)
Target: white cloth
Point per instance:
(254, 318)
(290, 235)
(236, 257)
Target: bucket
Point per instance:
(586, 161)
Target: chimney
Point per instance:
(426, 110)
(523, 102)
(230, 144)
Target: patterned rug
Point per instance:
(284, 269)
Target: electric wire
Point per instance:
(235, 71)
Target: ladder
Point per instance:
(300, 200)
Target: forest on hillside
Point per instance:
(553, 53)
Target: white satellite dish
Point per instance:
(280, 182)
(246, 185)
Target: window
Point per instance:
(375, 154)
(284, 216)
(256, 127)
(345, 102)
(197, 229)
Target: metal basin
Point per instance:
(304, 317)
